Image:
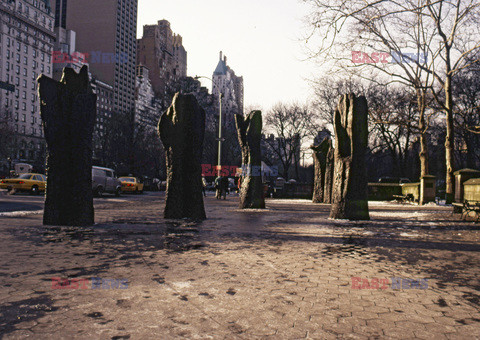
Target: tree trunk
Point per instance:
(249, 132)
(350, 190)
(320, 162)
(329, 173)
(68, 111)
(297, 162)
(449, 142)
(181, 129)
(422, 126)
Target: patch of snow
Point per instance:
(408, 235)
(181, 285)
(20, 213)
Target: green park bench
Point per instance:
(404, 198)
(466, 208)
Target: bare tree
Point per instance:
(290, 124)
(443, 34)
(466, 92)
(457, 26)
(393, 117)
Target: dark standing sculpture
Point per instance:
(249, 130)
(181, 130)
(68, 109)
(320, 153)
(329, 172)
(350, 189)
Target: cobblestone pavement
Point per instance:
(282, 273)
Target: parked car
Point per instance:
(104, 181)
(34, 183)
(131, 184)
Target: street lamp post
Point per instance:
(220, 138)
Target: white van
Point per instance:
(104, 180)
(23, 168)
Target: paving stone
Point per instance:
(282, 273)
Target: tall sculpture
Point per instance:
(181, 129)
(68, 111)
(320, 153)
(249, 130)
(350, 188)
(329, 172)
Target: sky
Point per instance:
(261, 39)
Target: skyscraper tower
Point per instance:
(106, 30)
(231, 86)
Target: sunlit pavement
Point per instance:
(282, 273)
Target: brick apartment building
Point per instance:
(162, 52)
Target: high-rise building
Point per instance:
(231, 87)
(180, 57)
(147, 110)
(106, 31)
(26, 44)
(105, 95)
(162, 52)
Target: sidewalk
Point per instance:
(282, 273)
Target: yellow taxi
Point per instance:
(25, 182)
(131, 184)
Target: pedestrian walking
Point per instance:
(218, 187)
(204, 186)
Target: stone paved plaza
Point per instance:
(282, 273)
